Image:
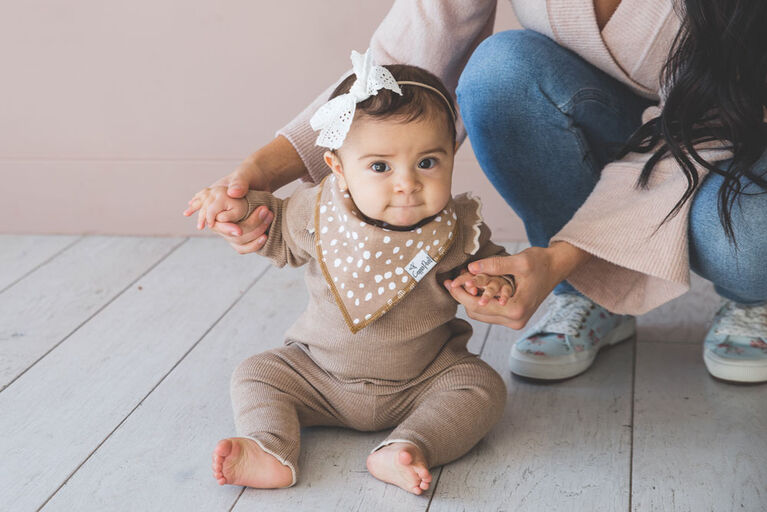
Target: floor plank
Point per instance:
(125, 411)
(559, 446)
(21, 254)
(165, 445)
(50, 303)
(63, 408)
(683, 320)
(699, 443)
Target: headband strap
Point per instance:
(426, 86)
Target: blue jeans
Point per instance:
(543, 122)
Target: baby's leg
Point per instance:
(452, 411)
(271, 401)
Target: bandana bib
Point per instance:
(369, 268)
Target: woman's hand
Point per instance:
(537, 271)
(269, 168)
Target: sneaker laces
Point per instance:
(564, 315)
(741, 320)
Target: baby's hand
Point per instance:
(216, 206)
(492, 286)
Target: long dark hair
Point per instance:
(716, 83)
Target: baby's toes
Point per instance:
(422, 471)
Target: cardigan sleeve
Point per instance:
(437, 35)
(636, 265)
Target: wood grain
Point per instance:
(49, 304)
(699, 443)
(62, 409)
(21, 254)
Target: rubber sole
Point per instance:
(735, 370)
(564, 367)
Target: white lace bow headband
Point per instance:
(334, 118)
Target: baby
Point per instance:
(379, 345)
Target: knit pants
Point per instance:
(277, 392)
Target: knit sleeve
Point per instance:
(290, 238)
(634, 268)
(437, 35)
(475, 235)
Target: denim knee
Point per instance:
(738, 274)
(503, 70)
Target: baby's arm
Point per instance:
(288, 241)
(215, 205)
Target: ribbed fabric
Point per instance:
(634, 270)
(638, 36)
(443, 412)
(420, 330)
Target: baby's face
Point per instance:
(396, 172)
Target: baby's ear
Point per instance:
(332, 161)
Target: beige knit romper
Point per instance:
(407, 368)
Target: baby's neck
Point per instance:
(386, 225)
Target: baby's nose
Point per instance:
(406, 181)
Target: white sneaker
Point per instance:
(566, 340)
(735, 347)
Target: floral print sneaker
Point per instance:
(735, 347)
(566, 340)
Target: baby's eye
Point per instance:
(379, 166)
(427, 163)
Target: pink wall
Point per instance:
(115, 113)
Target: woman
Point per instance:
(547, 109)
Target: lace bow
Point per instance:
(334, 118)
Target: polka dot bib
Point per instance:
(369, 268)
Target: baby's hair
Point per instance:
(415, 101)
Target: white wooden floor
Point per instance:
(115, 358)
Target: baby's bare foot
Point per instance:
(401, 464)
(240, 461)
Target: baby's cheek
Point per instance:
(371, 205)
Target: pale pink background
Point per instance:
(112, 114)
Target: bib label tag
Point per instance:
(420, 265)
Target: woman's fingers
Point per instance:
(511, 315)
(227, 229)
(248, 235)
(465, 281)
(495, 265)
(248, 247)
(238, 181)
(519, 264)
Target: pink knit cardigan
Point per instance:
(631, 272)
